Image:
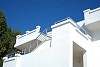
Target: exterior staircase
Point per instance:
(44, 36)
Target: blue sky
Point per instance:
(24, 15)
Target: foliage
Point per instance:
(7, 38)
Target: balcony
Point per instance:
(23, 41)
(32, 39)
(92, 19)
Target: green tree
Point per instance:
(7, 38)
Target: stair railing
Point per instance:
(41, 38)
(43, 35)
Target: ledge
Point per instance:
(63, 22)
(29, 32)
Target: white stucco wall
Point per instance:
(61, 47)
(11, 62)
(96, 53)
(39, 57)
(58, 55)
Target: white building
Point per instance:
(65, 44)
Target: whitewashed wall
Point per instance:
(58, 55)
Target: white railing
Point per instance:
(62, 20)
(43, 36)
